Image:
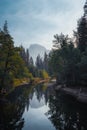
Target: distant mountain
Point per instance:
(36, 49)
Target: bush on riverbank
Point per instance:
(18, 82)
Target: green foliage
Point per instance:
(39, 62)
(44, 74)
(11, 64)
(82, 34)
(64, 60)
(45, 62)
(69, 63)
(82, 65)
(28, 61)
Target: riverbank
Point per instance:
(80, 94)
(22, 83)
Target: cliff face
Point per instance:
(36, 49)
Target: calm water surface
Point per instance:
(41, 108)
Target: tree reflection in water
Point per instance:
(11, 112)
(66, 113)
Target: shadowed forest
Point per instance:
(49, 93)
(67, 61)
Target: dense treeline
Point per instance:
(39, 68)
(42, 66)
(16, 62)
(12, 66)
(68, 59)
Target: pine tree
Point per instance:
(6, 51)
(82, 31)
(31, 62)
(27, 57)
(11, 64)
(5, 28)
(45, 62)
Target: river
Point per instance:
(41, 108)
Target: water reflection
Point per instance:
(35, 118)
(66, 113)
(41, 108)
(12, 109)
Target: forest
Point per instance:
(48, 91)
(67, 61)
(16, 66)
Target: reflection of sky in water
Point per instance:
(34, 103)
(35, 118)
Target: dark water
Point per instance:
(41, 108)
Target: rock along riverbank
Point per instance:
(80, 94)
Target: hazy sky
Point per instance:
(36, 21)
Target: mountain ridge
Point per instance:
(37, 49)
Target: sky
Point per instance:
(37, 21)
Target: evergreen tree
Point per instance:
(82, 31)
(11, 64)
(45, 62)
(24, 55)
(27, 57)
(39, 62)
(5, 28)
(82, 34)
(31, 62)
(6, 51)
(63, 61)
